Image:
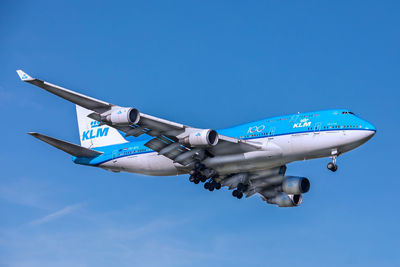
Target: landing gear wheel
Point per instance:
(240, 195)
(196, 181)
(218, 186)
(192, 178)
(211, 188)
(203, 178)
(235, 193)
(206, 185)
(332, 167)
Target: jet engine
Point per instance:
(285, 200)
(201, 138)
(295, 185)
(123, 116)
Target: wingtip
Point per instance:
(32, 133)
(23, 76)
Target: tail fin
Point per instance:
(92, 134)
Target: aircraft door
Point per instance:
(294, 118)
(114, 156)
(115, 166)
(271, 133)
(317, 128)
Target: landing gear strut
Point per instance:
(332, 165)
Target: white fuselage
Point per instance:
(276, 151)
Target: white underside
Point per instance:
(277, 151)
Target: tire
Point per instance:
(218, 186)
(240, 195)
(235, 193)
(335, 168)
(206, 185)
(191, 178)
(332, 167)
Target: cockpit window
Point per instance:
(347, 112)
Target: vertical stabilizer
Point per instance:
(91, 134)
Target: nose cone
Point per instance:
(369, 126)
(369, 131)
(370, 134)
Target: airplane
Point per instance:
(249, 159)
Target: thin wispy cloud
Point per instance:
(24, 191)
(152, 227)
(57, 215)
(153, 243)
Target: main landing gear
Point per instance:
(211, 185)
(238, 193)
(201, 174)
(332, 165)
(208, 176)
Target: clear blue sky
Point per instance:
(210, 64)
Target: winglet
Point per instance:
(23, 76)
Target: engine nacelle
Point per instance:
(285, 200)
(202, 138)
(123, 116)
(295, 185)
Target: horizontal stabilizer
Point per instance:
(67, 147)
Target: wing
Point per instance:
(168, 137)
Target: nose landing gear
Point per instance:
(332, 165)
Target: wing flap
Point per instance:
(156, 144)
(67, 147)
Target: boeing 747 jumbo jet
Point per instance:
(249, 159)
